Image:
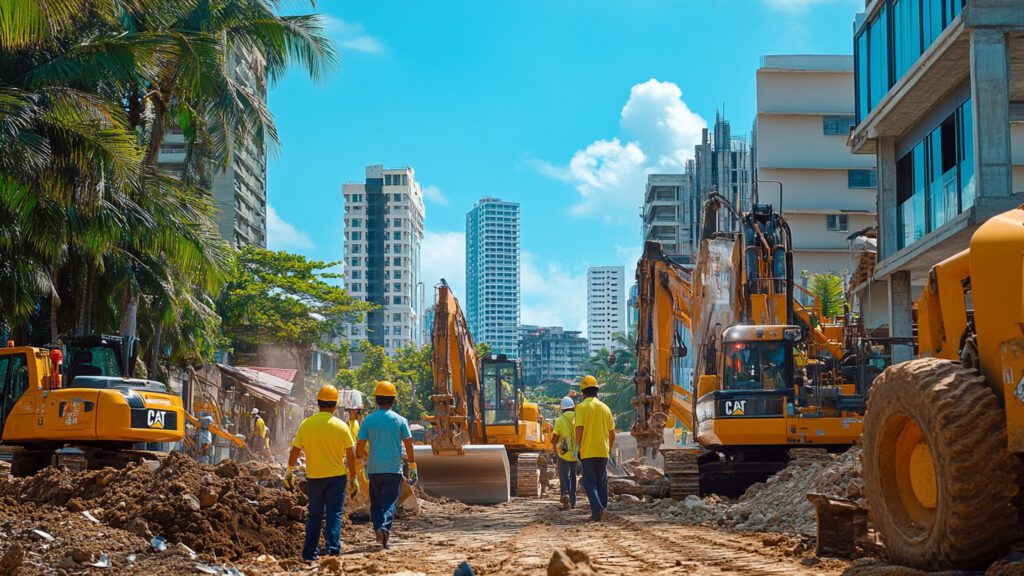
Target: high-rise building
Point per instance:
(240, 190)
(606, 306)
(805, 109)
(668, 215)
(492, 274)
(552, 353)
(938, 94)
(722, 163)
(383, 234)
(633, 307)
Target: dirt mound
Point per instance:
(778, 505)
(224, 511)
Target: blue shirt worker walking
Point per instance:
(386, 432)
(328, 445)
(595, 436)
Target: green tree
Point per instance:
(285, 300)
(829, 291)
(376, 365)
(614, 372)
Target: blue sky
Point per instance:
(560, 105)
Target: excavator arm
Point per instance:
(456, 397)
(665, 293)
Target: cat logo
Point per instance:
(155, 418)
(735, 407)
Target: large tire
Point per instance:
(939, 477)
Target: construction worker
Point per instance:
(328, 445)
(564, 441)
(204, 441)
(260, 440)
(595, 439)
(386, 433)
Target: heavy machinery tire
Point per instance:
(939, 478)
(527, 475)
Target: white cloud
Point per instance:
(351, 35)
(552, 295)
(282, 235)
(801, 5)
(435, 195)
(443, 255)
(659, 132)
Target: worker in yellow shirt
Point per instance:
(261, 440)
(564, 441)
(595, 438)
(329, 448)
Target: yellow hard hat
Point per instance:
(385, 388)
(588, 382)
(327, 393)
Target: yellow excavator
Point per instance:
(767, 376)
(85, 411)
(944, 433)
(488, 442)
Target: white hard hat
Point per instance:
(567, 404)
(255, 411)
(351, 399)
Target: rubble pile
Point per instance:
(778, 505)
(229, 511)
(640, 480)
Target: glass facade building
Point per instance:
(889, 42)
(492, 274)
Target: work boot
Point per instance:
(387, 536)
(379, 533)
(566, 505)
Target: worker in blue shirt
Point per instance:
(386, 432)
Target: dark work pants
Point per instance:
(567, 479)
(595, 484)
(326, 496)
(384, 492)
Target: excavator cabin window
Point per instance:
(502, 395)
(13, 382)
(758, 365)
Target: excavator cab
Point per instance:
(502, 390)
(757, 372)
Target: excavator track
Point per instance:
(683, 472)
(527, 475)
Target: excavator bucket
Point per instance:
(479, 476)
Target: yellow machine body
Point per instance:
(47, 413)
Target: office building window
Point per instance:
(837, 125)
(837, 222)
(862, 179)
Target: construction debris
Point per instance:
(778, 505)
(570, 562)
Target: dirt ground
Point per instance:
(520, 538)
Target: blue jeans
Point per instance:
(384, 492)
(595, 484)
(326, 495)
(567, 479)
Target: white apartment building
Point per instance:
(240, 190)
(383, 235)
(805, 109)
(492, 274)
(606, 306)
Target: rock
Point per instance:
(67, 563)
(82, 556)
(331, 564)
(191, 502)
(694, 503)
(75, 505)
(12, 560)
(296, 512)
(570, 562)
(811, 561)
(208, 497)
(1012, 565)
(139, 527)
(629, 498)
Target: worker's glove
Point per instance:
(413, 474)
(353, 485)
(289, 478)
